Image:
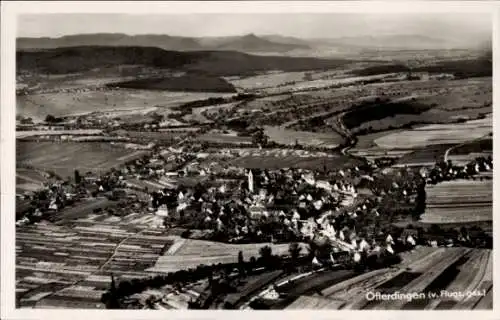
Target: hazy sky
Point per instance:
(305, 25)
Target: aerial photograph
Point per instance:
(254, 161)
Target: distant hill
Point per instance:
(109, 39)
(287, 40)
(400, 42)
(80, 59)
(218, 63)
(252, 43)
(246, 43)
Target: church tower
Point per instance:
(250, 181)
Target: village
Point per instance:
(253, 172)
(341, 216)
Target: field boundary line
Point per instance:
(118, 247)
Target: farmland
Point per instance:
(319, 84)
(467, 152)
(315, 282)
(475, 270)
(79, 132)
(437, 134)
(413, 102)
(426, 156)
(82, 209)
(291, 137)
(274, 158)
(38, 106)
(154, 136)
(189, 181)
(221, 138)
(59, 266)
(189, 253)
(64, 158)
(459, 201)
(293, 161)
(268, 80)
(185, 82)
(421, 270)
(317, 303)
(29, 180)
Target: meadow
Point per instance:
(292, 137)
(38, 106)
(29, 180)
(221, 138)
(437, 134)
(66, 157)
(188, 253)
(267, 80)
(426, 156)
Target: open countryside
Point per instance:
(254, 172)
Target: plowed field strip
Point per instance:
(422, 282)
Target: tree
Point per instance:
(266, 254)
(26, 121)
(78, 178)
(260, 138)
(253, 261)
(294, 250)
(110, 298)
(157, 117)
(241, 262)
(150, 302)
(51, 119)
(420, 200)
(434, 229)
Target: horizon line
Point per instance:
(232, 35)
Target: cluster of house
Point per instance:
(56, 195)
(292, 200)
(448, 171)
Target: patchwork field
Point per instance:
(154, 136)
(291, 137)
(315, 282)
(459, 201)
(457, 270)
(423, 274)
(224, 138)
(38, 106)
(475, 271)
(189, 253)
(64, 158)
(269, 80)
(316, 303)
(437, 134)
(446, 103)
(331, 162)
(269, 102)
(58, 266)
(425, 269)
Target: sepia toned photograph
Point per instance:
(253, 161)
